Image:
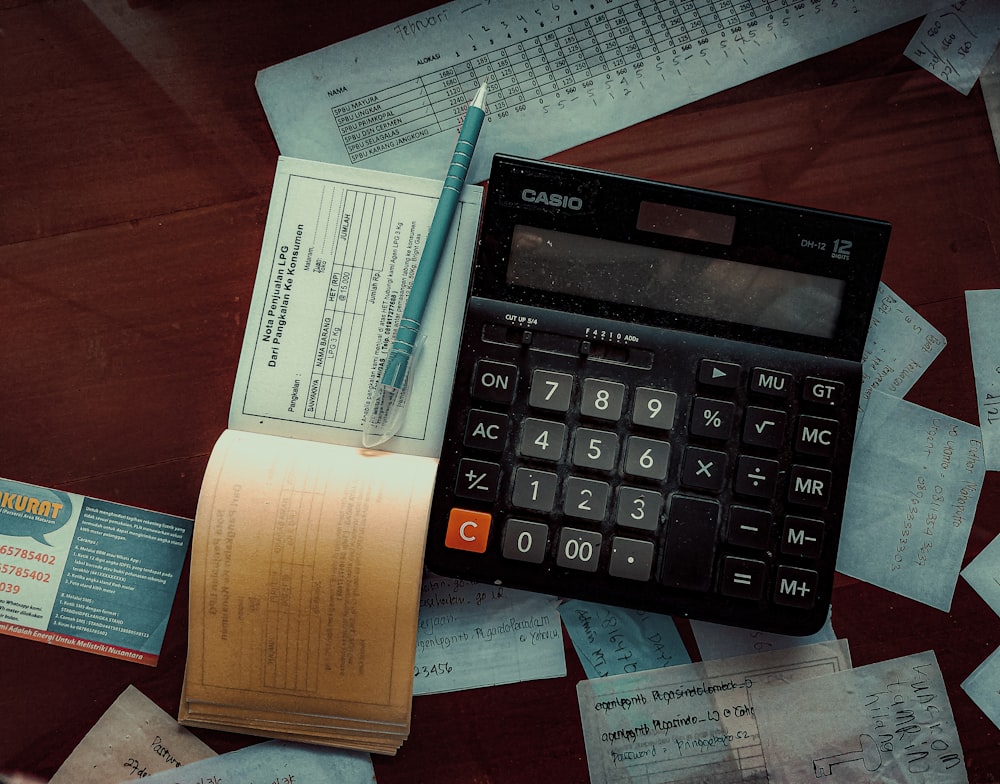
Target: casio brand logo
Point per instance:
(552, 199)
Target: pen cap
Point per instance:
(388, 404)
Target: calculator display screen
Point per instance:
(674, 221)
(674, 281)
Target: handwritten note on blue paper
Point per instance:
(615, 640)
(983, 574)
(983, 308)
(885, 722)
(983, 687)
(717, 641)
(691, 722)
(471, 635)
(275, 762)
(955, 42)
(901, 345)
(915, 482)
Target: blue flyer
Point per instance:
(87, 574)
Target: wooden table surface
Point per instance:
(137, 164)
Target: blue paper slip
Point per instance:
(901, 345)
(983, 308)
(471, 635)
(615, 640)
(983, 574)
(716, 641)
(956, 41)
(983, 687)
(885, 722)
(691, 722)
(275, 762)
(915, 482)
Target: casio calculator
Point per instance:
(655, 397)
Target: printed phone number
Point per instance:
(24, 574)
(27, 555)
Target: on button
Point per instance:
(494, 381)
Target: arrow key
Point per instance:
(713, 373)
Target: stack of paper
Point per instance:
(305, 582)
(307, 552)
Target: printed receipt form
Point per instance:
(342, 246)
(559, 74)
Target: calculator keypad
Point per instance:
(711, 485)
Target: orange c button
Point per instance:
(468, 530)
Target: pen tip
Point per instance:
(480, 100)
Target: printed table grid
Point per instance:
(357, 254)
(290, 618)
(608, 45)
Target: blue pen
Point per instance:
(386, 412)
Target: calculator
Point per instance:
(655, 398)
